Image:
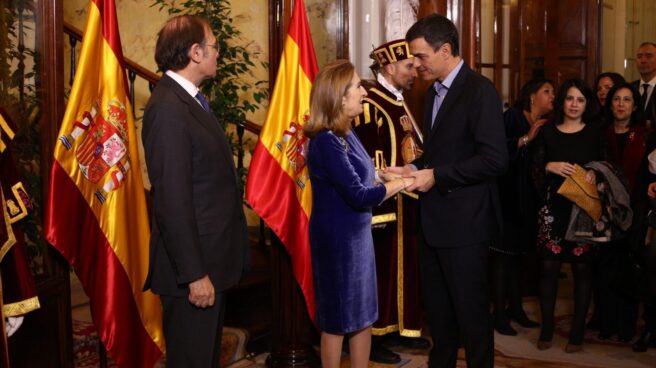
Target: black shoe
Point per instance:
(624, 339)
(594, 323)
(646, 340)
(413, 342)
(381, 354)
(502, 326)
(604, 336)
(521, 318)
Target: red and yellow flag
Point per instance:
(278, 184)
(96, 212)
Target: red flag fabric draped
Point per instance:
(96, 212)
(278, 184)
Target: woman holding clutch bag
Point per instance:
(570, 139)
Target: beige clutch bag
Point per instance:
(582, 193)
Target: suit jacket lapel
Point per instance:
(428, 114)
(205, 119)
(451, 97)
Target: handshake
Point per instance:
(413, 179)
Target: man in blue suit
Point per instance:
(464, 153)
(198, 245)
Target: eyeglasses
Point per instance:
(215, 46)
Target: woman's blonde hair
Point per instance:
(329, 87)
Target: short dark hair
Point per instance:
(591, 106)
(617, 78)
(436, 30)
(647, 43)
(636, 116)
(533, 86)
(175, 39)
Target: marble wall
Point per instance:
(323, 18)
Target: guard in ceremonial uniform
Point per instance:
(17, 288)
(391, 136)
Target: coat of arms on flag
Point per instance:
(103, 146)
(294, 144)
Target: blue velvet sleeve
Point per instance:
(342, 174)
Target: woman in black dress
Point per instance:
(519, 203)
(570, 139)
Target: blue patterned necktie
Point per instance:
(203, 101)
(440, 92)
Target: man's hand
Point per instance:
(201, 292)
(424, 180)
(400, 170)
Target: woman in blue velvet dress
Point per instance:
(344, 190)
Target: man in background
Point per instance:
(199, 242)
(391, 136)
(646, 63)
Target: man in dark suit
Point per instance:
(464, 153)
(646, 63)
(199, 241)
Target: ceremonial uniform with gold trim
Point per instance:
(17, 289)
(390, 136)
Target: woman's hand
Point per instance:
(535, 128)
(407, 182)
(563, 169)
(387, 176)
(396, 185)
(591, 177)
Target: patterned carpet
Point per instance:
(85, 346)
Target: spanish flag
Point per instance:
(96, 212)
(278, 184)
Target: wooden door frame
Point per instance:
(53, 289)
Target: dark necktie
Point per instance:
(203, 101)
(643, 96)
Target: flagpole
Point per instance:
(292, 331)
(102, 354)
(276, 174)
